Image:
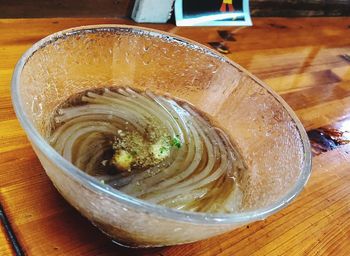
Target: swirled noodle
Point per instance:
(170, 153)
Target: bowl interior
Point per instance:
(267, 133)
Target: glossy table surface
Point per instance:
(306, 60)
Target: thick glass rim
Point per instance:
(143, 206)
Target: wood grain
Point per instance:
(299, 58)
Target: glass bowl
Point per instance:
(269, 136)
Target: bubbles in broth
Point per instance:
(150, 146)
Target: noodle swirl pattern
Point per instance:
(201, 175)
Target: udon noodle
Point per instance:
(150, 146)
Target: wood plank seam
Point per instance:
(10, 233)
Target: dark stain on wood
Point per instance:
(226, 35)
(278, 26)
(330, 76)
(345, 57)
(320, 142)
(220, 47)
(326, 139)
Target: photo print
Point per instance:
(212, 13)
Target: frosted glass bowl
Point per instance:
(269, 135)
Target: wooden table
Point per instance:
(302, 59)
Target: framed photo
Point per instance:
(212, 13)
